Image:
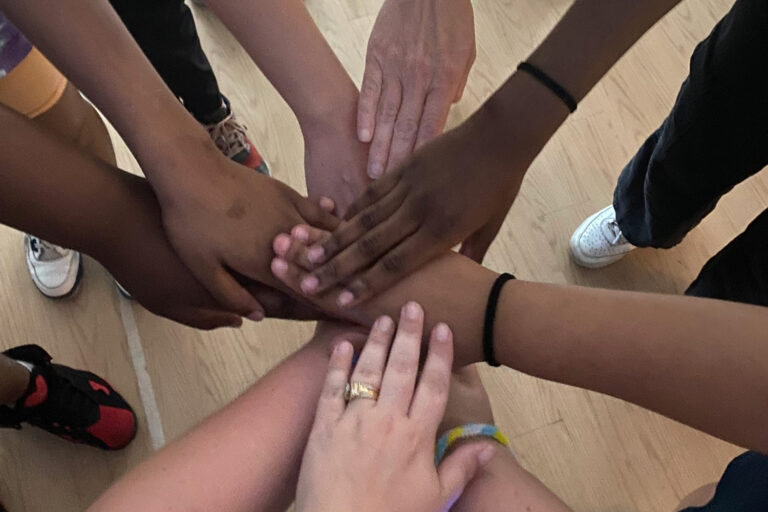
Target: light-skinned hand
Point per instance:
(419, 55)
(378, 455)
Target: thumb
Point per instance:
(461, 466)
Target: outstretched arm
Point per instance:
(206, 200)
(703, 362)
(246, 457)
(428, 204)
(284, 42)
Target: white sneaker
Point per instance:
(598, 241)
(55, 270)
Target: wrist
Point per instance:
(523, 111)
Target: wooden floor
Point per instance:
(597, 453)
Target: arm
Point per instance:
(91, 199)
(431, 200)
(286, 45)
(207, 201)
(702, 362)
(245, 457)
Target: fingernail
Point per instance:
(279, 266)
(343, 348)
(315, 254)
(282, 243)
(375, 170)
(309, 284)
(412, 311)
(256, 316)
(345, 298)
(364, 135)
(485, 455)
(442, 332)
(384, 324)
(301, 234)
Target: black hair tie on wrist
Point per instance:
(490, 318)
(549, 83)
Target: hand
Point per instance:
(221, 220)
(379, 455)
(458, 187)
(419, 55)
(143, 261)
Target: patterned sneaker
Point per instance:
(229, 136)
(73, 404)
(56, 271)
(598, 241)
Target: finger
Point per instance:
(373, 193)
(290, 275)
(406, 125)
(327, 204)
(436, 108)
(313, 214)
(205, 319)
(386, 113)
(369, 99)
(480, 241)
(331, 404)
(431, 395)
(400, 376)
(460, 467)
(465, 76)
(371, 245)
(231, 294)
(351, 230)
(279, 305)
(370, 365)
(294, 248)
(411, 253)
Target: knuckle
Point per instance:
(406, 128)
(368, 375)
(393, 263)
(329, 271)
(389, 111)
(370, 87)
(368, 246)
(368, 220)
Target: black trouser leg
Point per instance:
(715, 137)
(166, 32)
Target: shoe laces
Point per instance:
(612, 233)
(229, 136)
(45, 251)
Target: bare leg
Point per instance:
(503, 479)
(14, 382)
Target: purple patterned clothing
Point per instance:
(14, 47)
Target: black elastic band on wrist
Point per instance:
(490, 318)
(549, 83)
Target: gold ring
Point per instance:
(355, 390)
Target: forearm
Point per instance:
(282, 39)
(246, 457)
(89, 43)
(82, 190)
(577, 53)
(700, 361)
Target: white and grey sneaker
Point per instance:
(56, 271)
(598, 241)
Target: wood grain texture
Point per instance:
(596, 452)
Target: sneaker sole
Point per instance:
(75, 287)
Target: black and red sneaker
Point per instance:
(73, 404)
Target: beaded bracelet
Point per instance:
(468, 431)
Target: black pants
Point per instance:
(715, 137)
(166, 32)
